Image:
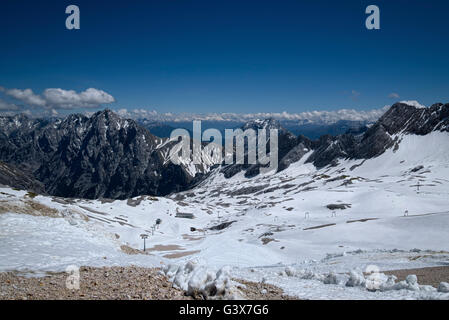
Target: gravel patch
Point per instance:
(108, 283)
(114, 283)
(262, 291)
(431, 276)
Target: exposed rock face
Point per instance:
(25, 142)
(286, 142)
(302, 146)
(329, 149)
(92, 157)
(401, 118)
(408, 119)
(107, 156)
(358, 144)
(13, 177)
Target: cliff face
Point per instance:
(13, 177)
(92, 157)
(401, 118)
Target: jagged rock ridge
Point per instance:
(107, 156)
(92, 157)
(327, 150)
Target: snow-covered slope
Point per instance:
(334, 219)
(274, 207)
(339, 206)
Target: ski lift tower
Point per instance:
(417, 185)
(144, 237)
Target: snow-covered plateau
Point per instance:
(317, 233)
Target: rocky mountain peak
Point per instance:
(412, 119)
(269, 123)
(90, 157)
(106, 114)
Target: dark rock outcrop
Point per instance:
(13, 177)
(363, 143)
(401, 118)
(92, 157)
(286, 142)
(110, 157)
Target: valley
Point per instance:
(315, 232)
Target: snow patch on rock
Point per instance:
(443, 287)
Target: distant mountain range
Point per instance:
(309, 129)
(106, 156)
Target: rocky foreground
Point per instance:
(111, 283)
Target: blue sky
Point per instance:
(230, 56)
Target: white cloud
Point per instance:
(393, 95)
(303, 117)
(26, 96)
(5, 106)
(56, 98)
(122, 112)
(68, 99)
